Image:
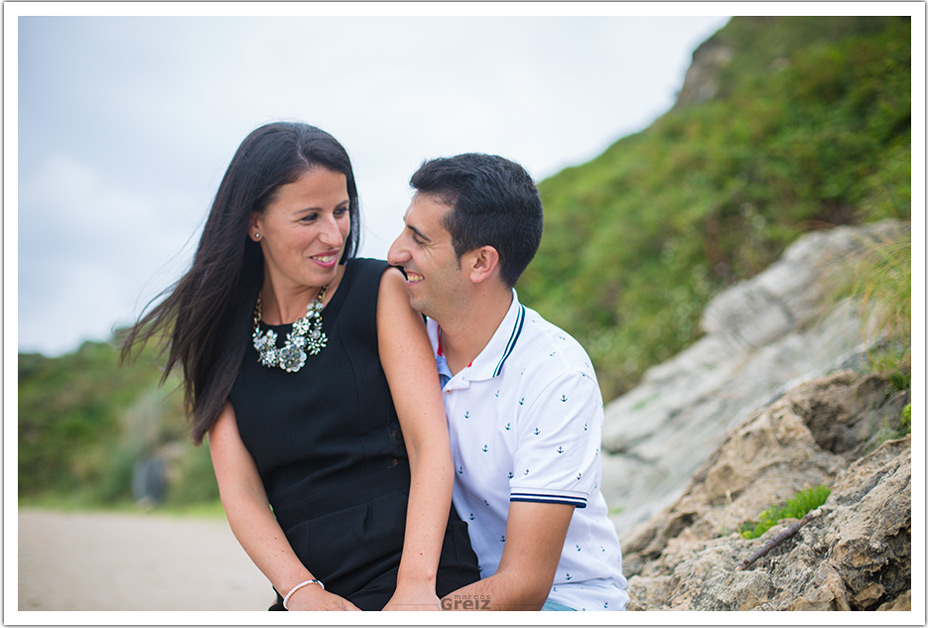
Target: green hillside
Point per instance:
(809, 129)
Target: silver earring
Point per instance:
(257, 236)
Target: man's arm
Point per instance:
(535, 534)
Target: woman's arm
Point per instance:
(409, 364)
(253, 523)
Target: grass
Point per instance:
(797, 507)
(882, 283)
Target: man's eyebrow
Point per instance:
(421, 235)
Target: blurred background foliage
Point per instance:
(807, 126)
(90, 432)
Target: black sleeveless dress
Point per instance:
(327, 443)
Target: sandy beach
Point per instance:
(106, 561)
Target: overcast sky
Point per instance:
(126, 125)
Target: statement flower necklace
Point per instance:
(305, 337)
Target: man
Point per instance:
(524, 408)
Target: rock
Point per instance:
(763, 337)
(901, 603)
(701, 82)
(854, 553)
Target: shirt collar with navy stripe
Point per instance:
(491, 360)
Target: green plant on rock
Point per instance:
(797, 507)
(907, 418)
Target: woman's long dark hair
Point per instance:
(205, 318)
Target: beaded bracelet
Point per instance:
(298, 587)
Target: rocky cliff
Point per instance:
(854, 553)
(762, 338)
(771, 401)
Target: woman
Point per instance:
(316, 384)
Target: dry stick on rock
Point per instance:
(779, 538)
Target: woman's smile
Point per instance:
(326, 260)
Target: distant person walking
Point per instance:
(314, 380)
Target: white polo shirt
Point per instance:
(525, 419)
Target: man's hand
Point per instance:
(535, 534)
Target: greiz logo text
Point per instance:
(481, 603)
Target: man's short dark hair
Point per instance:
(495, 203)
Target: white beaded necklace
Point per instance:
(306, 334)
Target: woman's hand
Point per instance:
(413, 599)
(315, 598)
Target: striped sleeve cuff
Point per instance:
(548, 497)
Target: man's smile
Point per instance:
(413, 277)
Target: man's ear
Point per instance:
(482, 264)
